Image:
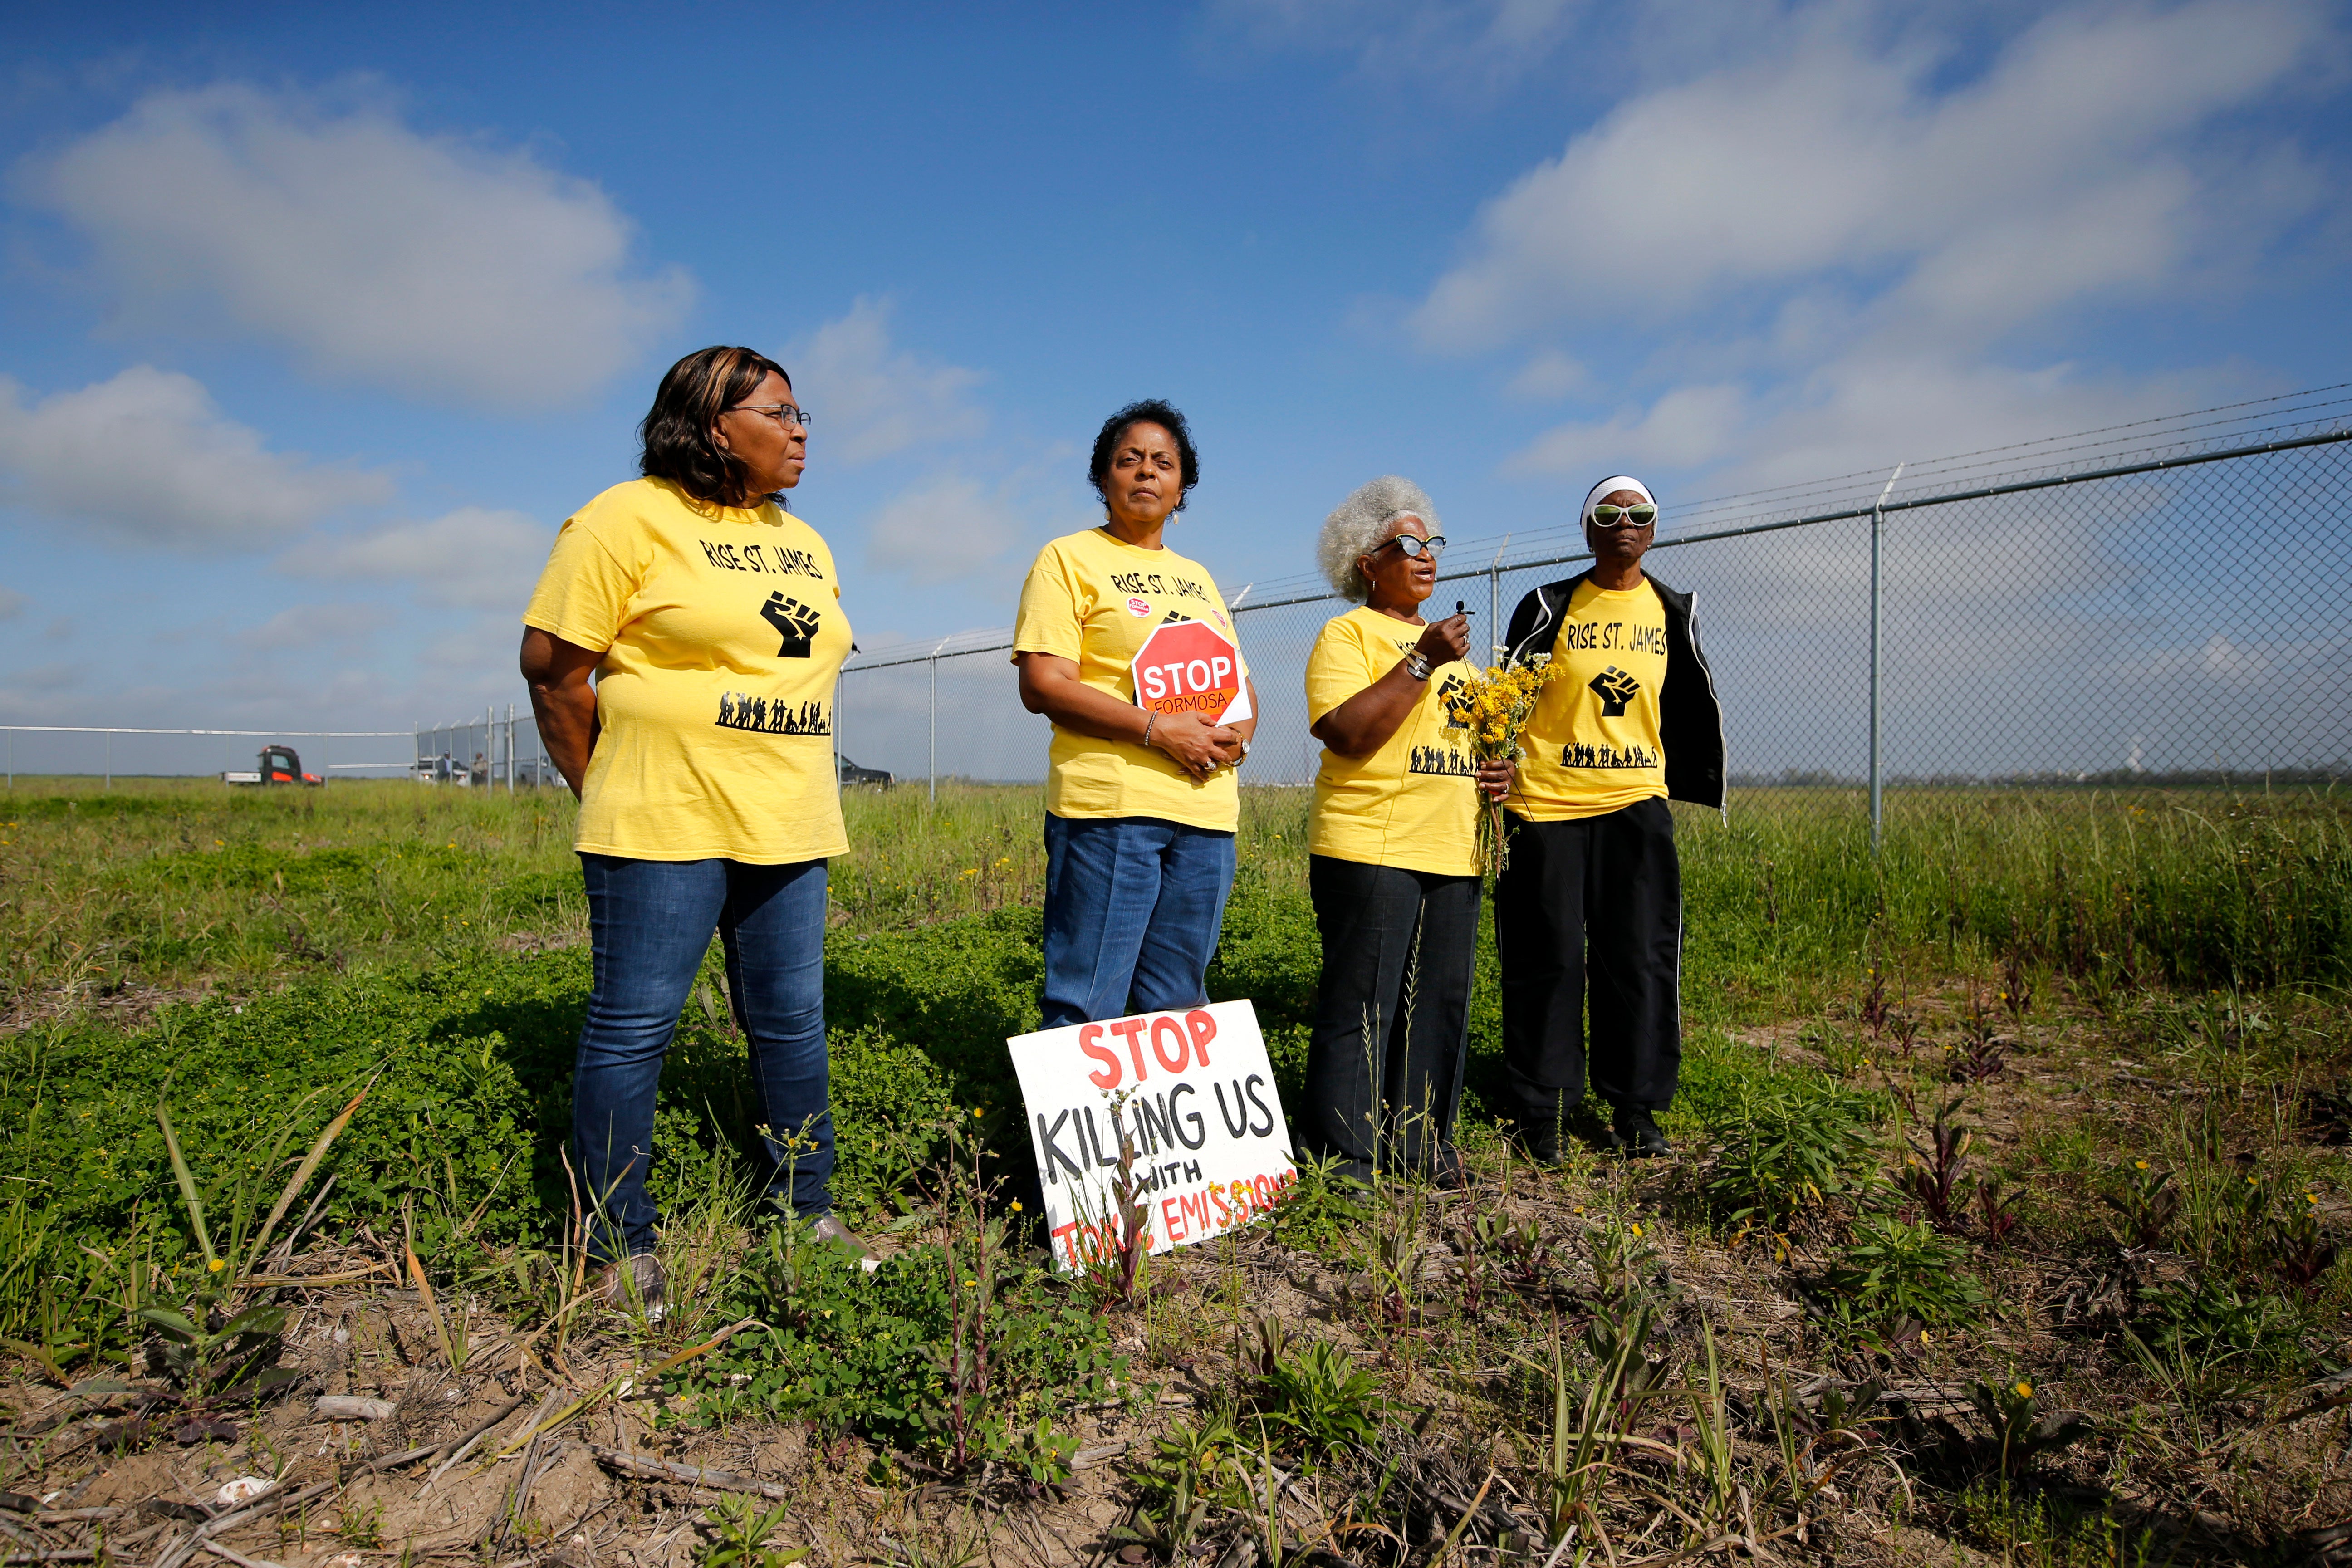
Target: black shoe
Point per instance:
(1445, 1172)
(1538, 1138)
(1584, 1121)
(1637, 1130)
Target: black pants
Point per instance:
(1392, 1014)
(1600, 899)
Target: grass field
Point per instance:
(2047, 1097)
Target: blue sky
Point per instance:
(316, 322)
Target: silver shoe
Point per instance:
(639, 1281)
(831, 1230)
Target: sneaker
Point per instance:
(1638, 1130)
(638, 1282)
(1445, 1170)
(833, 1232)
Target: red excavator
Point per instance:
(279, 765)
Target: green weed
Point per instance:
(1324, 1208)
(1895, 1268)
(737, 1530)
(876, 1352)
(2036, 1529)
(2020, 1431)
(1793, 1151)
(1322, 1400)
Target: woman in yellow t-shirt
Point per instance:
(702, 756)
(1393, 864)
(1128, 648)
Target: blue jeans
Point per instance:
(650, 922)
(1133, 905)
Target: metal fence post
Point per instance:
(110, 759)
(932, 722)
(1494, 603)
(1877, 605)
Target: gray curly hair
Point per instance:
(1361, 524)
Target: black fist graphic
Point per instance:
(1615, 688)
(1452, 700)
(795, 622)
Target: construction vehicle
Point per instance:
(279, 765)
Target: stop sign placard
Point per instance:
(1190, 666)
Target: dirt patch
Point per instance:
(126, 1007)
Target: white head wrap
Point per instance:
(1609, 486)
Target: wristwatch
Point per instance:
(1416, 664)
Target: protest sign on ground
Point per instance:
(1190, 1093)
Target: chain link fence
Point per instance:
(491, 752)
(501, 752)
(2165, 602)
(107, 753)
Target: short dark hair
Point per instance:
(674, 435)
(1151, 411)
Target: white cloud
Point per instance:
(871, 399)
(1480, 43)
(1859, 411)
(148, 457)
(59, 676)
(1687, 428)
(425, 264)
(301, 629)
(945, 529)
(473, 558)
(1549, 373)
(2078, 163)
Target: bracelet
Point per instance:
(1150, 717)
(1416, 664)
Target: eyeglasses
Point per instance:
(783, 414)
(1607, 516)
(1411, 545)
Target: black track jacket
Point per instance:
(1690, 717)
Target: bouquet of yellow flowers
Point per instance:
(1493, 706)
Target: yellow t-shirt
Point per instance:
(1592, 746)
(1414, 803)
(1095, 600)
(722, 633)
